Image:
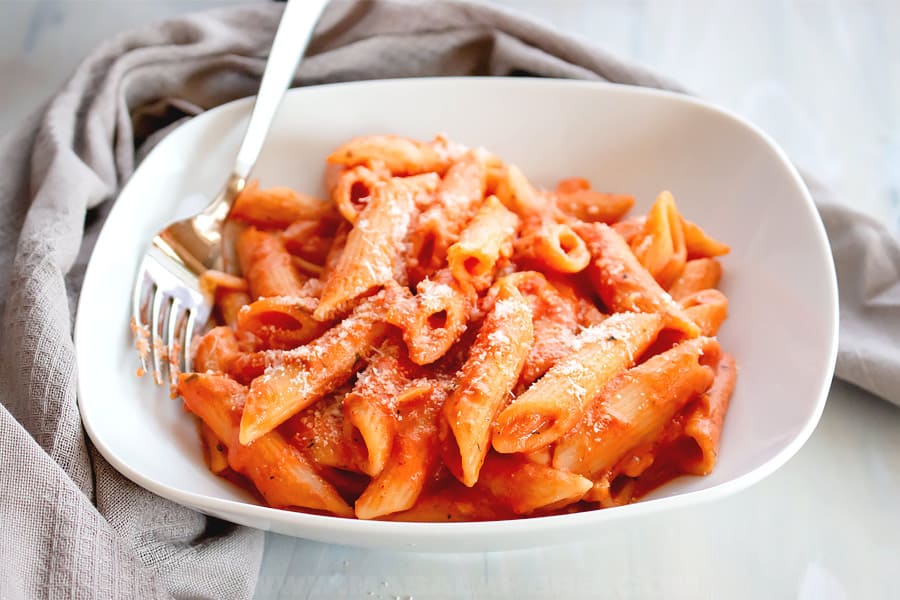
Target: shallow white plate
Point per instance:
(725, 174)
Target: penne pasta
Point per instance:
(704, 420)
(698, 274)
(213, 282)
(557, 401)
(660, 245)
(485, 384)
(708, 309)
(355, 186)
(526, 486)
(401, 156)
(434, 319)
(283, 476)
(368, 260)
(487, 239)
(278, 207)
(670, 454)
(554, 323)
(376, 428)
(517, 194)
(214, 452)
(267, 265)
(624, 284)
(634, 408)
(699, 244)
(371, 408)
(280, 322)
(229, 303)
(216, 350)
(575, 199)
(495, 172)
(438, 227)
(319, 432)
(553, 246)
(297, 378)
(444, 341)
(335, 251)
(630, 228)
(309, 240)
(414, 455)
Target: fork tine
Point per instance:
(174, 341)
(189, 326)
(157, 331)
(143, 287)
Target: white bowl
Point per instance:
(725, 174)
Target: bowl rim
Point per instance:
(411, 534)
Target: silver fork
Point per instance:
(168, 305)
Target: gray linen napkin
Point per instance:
(70, 526)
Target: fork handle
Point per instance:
(293, 35)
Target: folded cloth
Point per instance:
(70, 526)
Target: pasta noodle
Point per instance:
(488, 376)
(371, 407)
(554, 323)
(438, 227)
(552, 246)
(295, 379)
(369, 257)
(575, 198)
(279, 207)
(635, 406)
(282, 474)
(434, 319)
(486, 240)
(660, 246)
(441, 339)
(698, 274)
(554, 403)
(623, 284)
(267, 265)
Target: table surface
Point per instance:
(823, 78)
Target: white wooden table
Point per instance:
(824, 79)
